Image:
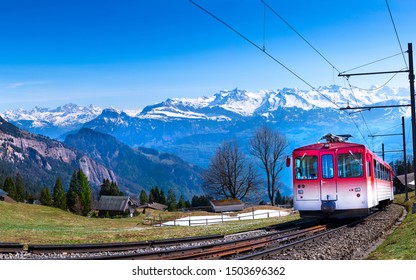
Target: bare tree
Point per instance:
(229, 174)
(269, 147)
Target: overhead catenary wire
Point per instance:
(264, 51)
(300, 35)
(395, 30)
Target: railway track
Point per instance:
(266, 254)
(217, 250)
(261, 244)
(213, 246)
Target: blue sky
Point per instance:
(129, 54)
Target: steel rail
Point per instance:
(112, 247)
(213, 251)
(11, 247)
(272, 251)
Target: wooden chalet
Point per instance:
(110, 206)
(4, 196)
(226, 205)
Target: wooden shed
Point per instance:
(110, 206)
(227, 205)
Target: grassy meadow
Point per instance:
(401, 244)
(35, 224)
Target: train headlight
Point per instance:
(357, 189)
(300, 191)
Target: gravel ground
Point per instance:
(352, 243)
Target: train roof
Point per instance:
(329, 146)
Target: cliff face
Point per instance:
(41, 159)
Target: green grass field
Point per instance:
(34, 224)
(401, 244)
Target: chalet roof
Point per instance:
(115, 203)
(226, 202)
(155, 205)
(410, 180)
(227, 205)
(2, 192)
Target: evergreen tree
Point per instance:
(279, 199)
(45, 197)
(85, 194)
(114, 190)
(181, 203)
(19, 188)
(72, 199)
(143, 198)
(9, 187)
(162, 197)
(105, 187)
(59, 197)
(171, 200)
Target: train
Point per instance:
(338, 179)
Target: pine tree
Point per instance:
(19, 188)
(114, 189)
(171, 200)
(45, 197)
(85, 194)
(59, 197)
(72, 199)
(181, 203)
(9, 187)
(105, 187)
(162, 197)
(143, 198)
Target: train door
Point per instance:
(328, 180)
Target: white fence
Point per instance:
(217, 219)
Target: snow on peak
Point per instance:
(245, 103)
(65, 115)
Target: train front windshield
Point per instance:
(306, 167)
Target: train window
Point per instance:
(350, 165)
(327, 166)
(306, 167)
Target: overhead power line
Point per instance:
(395, 31)
(303, 38)
(264, 51)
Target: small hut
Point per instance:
(110, 206)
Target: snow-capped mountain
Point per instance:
(52, 122)
(192, 128)
(226, 105)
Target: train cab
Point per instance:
(337, 179)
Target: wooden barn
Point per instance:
(110, 206)
(227, 205)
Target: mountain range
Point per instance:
(192, 128)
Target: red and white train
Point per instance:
(337, 179)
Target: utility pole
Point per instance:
(412, 96)
(404, 160)
(412, 99)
